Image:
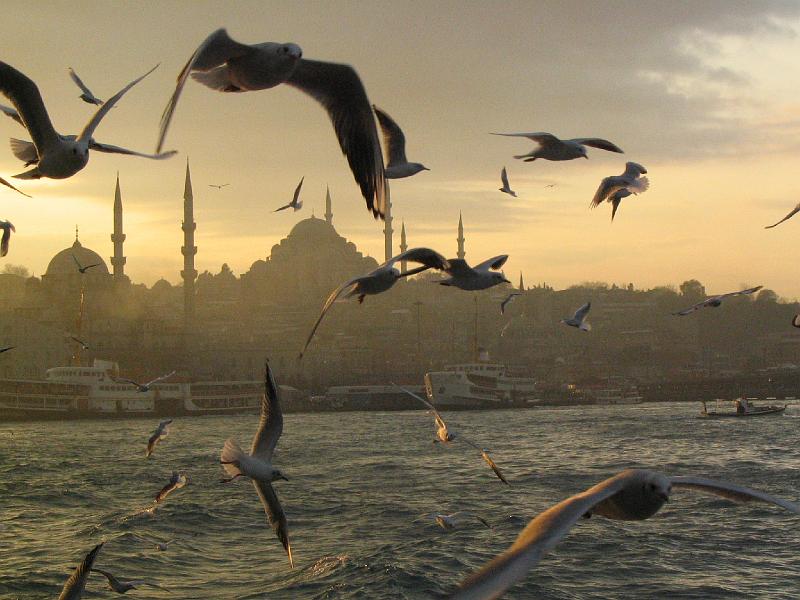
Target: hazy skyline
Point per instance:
(702, 94)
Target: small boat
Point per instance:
(748, 411)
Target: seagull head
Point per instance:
(276, 474)
(584, 152)
(291, 50)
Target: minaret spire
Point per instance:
(521, 283)
(328, 206)
(189, 273)
(403, 246)
(387, 229)
(460, 254)
(118, 260)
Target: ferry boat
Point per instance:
(367, 397)
(93, 392)
(616, 390)
(480, 385)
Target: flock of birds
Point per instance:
(228, 66)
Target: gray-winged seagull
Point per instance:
(552, 148)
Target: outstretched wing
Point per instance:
(504, 178)
(748, 291)
(110, 149)
(493, 263)
(328, 303)
(73, 588)
(424, 256)
(608, 187)
(439, 421)
(297, 192)
(393, 138)
(275, 514)
(731, 491)
(598, 143)
(25, 97)
(270, 426)
(581, 313)
(540, 137)
(162, 378)
(793, 212)
(90, 97)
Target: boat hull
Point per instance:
(770, 411)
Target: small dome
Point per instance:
(63, 263)
(161, 286)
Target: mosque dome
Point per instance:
(63, 263)
(314, 229)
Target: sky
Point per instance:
(704, 94)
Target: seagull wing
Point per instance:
(794, 211)
(115, 583)
(270, 426)
(607, 187)
(393, 139)
(284, 207)
(542, 534)
(73, 588)
(495, 262)
(731, 491)
(25, 97)
(748, 291)
(328, 303)
(123, 380)
(598, 143)
(339, 89)
(458, 267)
(93, 145)
(162, 378)
(297, 192)
(215, 50)
(581, 313)
(437, 417)
(88, 130)
(92, 99)
(493, 466)
(5, 183)
(80, 266)
(165, 491)
(4, 242)
(639, 185)
(508, 299)
(691, 309)
(275, 514)
(424, 256)
(13, 114)
(504, 179)
(540, 137)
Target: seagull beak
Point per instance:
(284, 478)
(664, 497)
(506, 280)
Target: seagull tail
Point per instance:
(231, 454)
(585, 326)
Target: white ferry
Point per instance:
(480, 385)
(92, 392)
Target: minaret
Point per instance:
(460, 254)
(189, 273)
(328, 206)
(403, 246)
(387, 229)
(521, 283)
(118, 260)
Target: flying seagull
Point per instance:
(176, 482)
(296, 203)
(81, 268)
(394, 141)
(552, 148)
(125, 586)
(504, 181)
(226, 65)
(7, 227)
(218, 186)
(56, 156)
(160, 546)
(579, 318)
(715, 301)
(143, 387)
(380, 280)
(633, 495)
(451, 521)
(445, 436)
(73, 588)
(258, 464)
(160, 433)
(479, 277)
(793, 212)
(86, 94)
(81, 343)
(508, 299)
(630, 180)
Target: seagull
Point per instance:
(504, 181)
(176, 482)
(83, 345)
(296, 203)
(445, 436)
(509, 298)
(7, 227)
(715, 301)
(56, 156)
(6, 349)
(633, 495)
(73, 588)
(793, 212)
(160, 546)
(226, 65)
(160, 433)
(450, 521)
(550, 186)
(795, 323)
(258, 464)
(579, 318)
(81, 268)
(125, 586)
(642, 185)
(143, 387)
(630, 180)
(479, 277)
(552, 148)
(394, 141)
(380, 280)
(86, 95)
(218, 186)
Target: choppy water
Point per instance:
(357, 483)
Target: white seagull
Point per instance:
(176, 482)
(296, 203)
(579, 318)
(258, 464)
(125, 586)
(143, 387)
(7, 227)
(394, 141)
(504, 181)
(445, 436)
(479, 277)
(226, 65)
(160, 433)
(73, 588)
(86, 94)
(56, 156)
(633, 495)
(380, 280)
(715, 301)
(552, 148)
(219, 186)
(507, 301)
(642, 185)
(793, 212)
(451, 521)
(630, 180)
